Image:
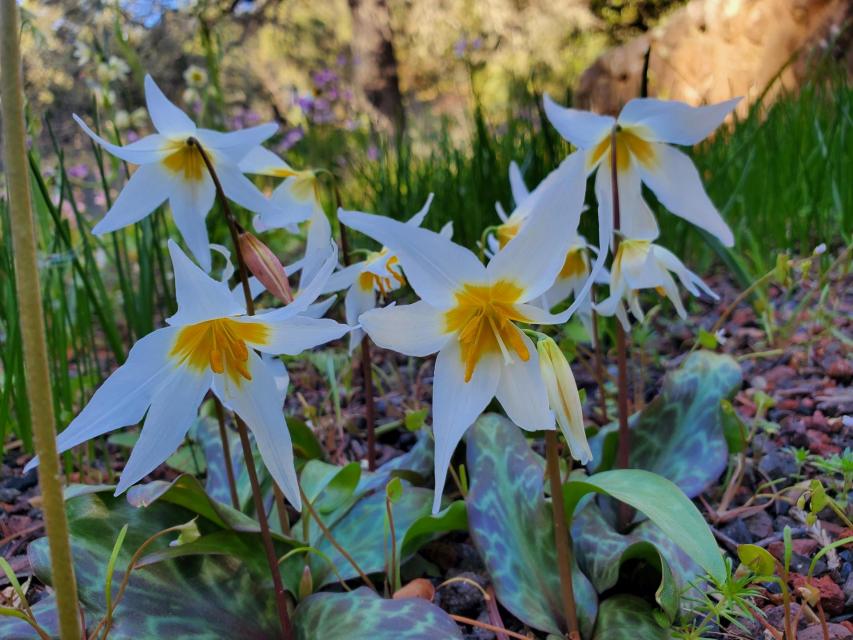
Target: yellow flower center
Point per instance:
(184, 159)
(483, 317)
(220, 345)
(368, 280)
(628, 144)
(575, 265)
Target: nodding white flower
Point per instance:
(379, 273)
(170, 167)
(295, 200)
(210, 344)
(469, 313)
(640, 264)
(575, 272)
(563, 397)
(643, 129)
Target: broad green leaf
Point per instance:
(198, 597)
(664, 504)
(679, 435)
(512, 526)
(626, 617)
(363, 614)
(759, 560)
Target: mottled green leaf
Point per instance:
(664, 504)
(626, 617)
(46, 614)
(679, 435)
(363, 614)
(512, 526)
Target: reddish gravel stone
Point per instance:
(831, 595)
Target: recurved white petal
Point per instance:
(240, 189)
(516, 184)
(308, 294)
(235, 145)
(692, 282)
(521, 393)
(534, 257)
(358, 299)
(172, 412)
(418, 218)
(167, 118)
(676, 183)
(317, 243)
(147, 189)
(199, 296)
(144, 151)
(415, 329)
(636, 219)
(673, 121)
(125, 396)
(435, 266)
(457, 404)
(289, 205)
(343, 278)
(191, 202)
(262, 161)
(258, 403)
(582, 128)
(294, 335)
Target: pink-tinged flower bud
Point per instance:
(563, 397)
(265, 266)
(306, 583)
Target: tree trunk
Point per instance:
(375, 61)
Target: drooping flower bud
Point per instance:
(306, 583)
(265, 266)
(563, 397)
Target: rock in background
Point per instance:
(712, 50)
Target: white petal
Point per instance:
(516, 184)
(412, 329)
(418, 218)
(434, 266)
(675, 122)
(676, 183)
(191, 202)
(123, 397)
(457, 404)
(357, 301)
(167, 118)
(258, 403)
(263, 161)
(294, 335)
(447, 230)
(522, 393)
(343, 278)
(692, 282)
(534, 257)
(287, 207)
(316, 246)
(235, 145)
(148, 149)
(172, 412)
(499, 209)
(200, 297)
(636, 219)
(303, 299)
(319, 309)
(147, 189)
(582, 128)
(240, 189)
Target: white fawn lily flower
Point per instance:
(295, 200)
(468, 312)
(377, 275)
(171, 168)
(644, 130)
(563, 397)
(640, 264)
(210, 344)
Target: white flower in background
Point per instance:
(643, 129)
(575, 272)
(195, 76)
(468, 312)
(171, 168)
(82, 52)
(295, 200)
(640, 264)
(139, 117)
(190, 97)
(378, 274)
(211, 344)
(118, 68)
(563, 397)
(122, 119)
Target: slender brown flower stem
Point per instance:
(599, 368)
(624, 450)
(242, 430)
(31, 320)
(562, 537)
(226, 452)
(366, 361)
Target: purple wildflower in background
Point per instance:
(78, 171)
